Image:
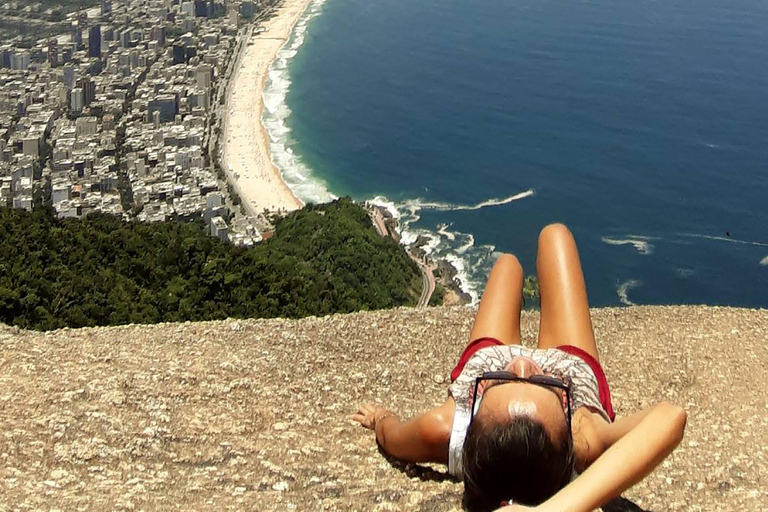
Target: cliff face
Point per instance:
(250, 415)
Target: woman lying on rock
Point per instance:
(533, 428)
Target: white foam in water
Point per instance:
(638, 242)
(296, 174)
(443, 230)
(472, 263)
(623, 290)
(764, 261)
(445, 207)
(467, 245)
(726, 239)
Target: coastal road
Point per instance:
(428, 284)
(378, 223)
(427, 275)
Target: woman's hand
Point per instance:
(368, 415)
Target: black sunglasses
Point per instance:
(539, 380)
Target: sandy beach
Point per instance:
(245, 143)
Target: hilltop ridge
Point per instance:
(250, 414)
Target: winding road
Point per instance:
(427, 275)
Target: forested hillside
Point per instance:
(103, 271)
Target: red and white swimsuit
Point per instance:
(589, 388)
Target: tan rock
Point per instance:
(251, 414)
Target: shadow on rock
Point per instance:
(423, 473)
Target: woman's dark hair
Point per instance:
(516, 461)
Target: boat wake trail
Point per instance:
(763, 262)
(726, 239)
(445, 207)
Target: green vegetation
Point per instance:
(103, 271)
(438, 296)
(531, 289)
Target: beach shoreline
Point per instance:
(246, 158)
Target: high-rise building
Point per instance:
(88, 87)
(179, 54)
(5, 54)
(76, 34)
(157, 33)
(188, 8)
(201, 9)
(167, 105)
(77, 100)
(94, 41)
(204, 76)
(125, 38)
(69, 75)
(53, 52)
(20, 60)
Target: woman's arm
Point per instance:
(629, 457)
(593, 434)
(422, 439)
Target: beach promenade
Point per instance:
(245, 143)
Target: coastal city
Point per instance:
(121, 111)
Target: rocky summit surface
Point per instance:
(250, 414)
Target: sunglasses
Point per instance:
(552, 383)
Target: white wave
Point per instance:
(640, 243)
(462, 275)
(623, 289)
(297, 175)
(383, 202)
(443, 230)
(764, 261)
(726, 239)
(446, 207)
(466, 245)
(472, 263)
(498, 202)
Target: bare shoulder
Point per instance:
(437, 423)
(588, 444)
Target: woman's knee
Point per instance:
(554, 235)
(554, 231)
(508, 263)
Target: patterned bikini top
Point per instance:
(570, 368)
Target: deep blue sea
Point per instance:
(642, 125)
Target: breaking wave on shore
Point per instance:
(472, 262)
(299, 177)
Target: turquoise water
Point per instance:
(642, 125)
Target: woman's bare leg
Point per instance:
(564, 307)
(499, 313)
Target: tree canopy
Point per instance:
(101, 270)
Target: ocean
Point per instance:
(642, 125)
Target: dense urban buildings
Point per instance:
(119, 112)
